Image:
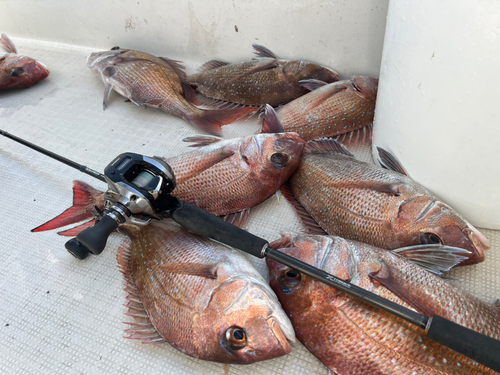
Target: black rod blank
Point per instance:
(80, 167)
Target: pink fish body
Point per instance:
(201, 297)
(331, 110)
(352, 337)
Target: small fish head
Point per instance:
(248, 323)
(272, 156)
(302, 70)
(426, 220)
(99, 60)
(365, 85)
(23, 71)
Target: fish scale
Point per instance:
(331, 110)
(352, 337)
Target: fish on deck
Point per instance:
(201, 297)
(225, 177)
(350, 336)
(18, 71)
(261, 81)
(385, 208)
(331, 110)
(156, 82)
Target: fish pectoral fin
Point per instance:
(152, 102)
(7, 44)
(107, 92)
(389, 278)
(312, 84)
(270, 122)
(261, 65)
(433, 258)
(389, 161)
(201, 140)
(381, 187)
(208, 271)
(261, 51)
(212, 64)
(328, 91)
(213, 158)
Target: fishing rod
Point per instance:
(139, 187)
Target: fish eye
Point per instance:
(430, 238)
(289, 280)
(236, 337)
(279, 160)
(115, 48)
(16, 72)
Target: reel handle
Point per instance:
(92, 240)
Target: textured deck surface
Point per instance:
(59, 315)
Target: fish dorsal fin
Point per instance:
(7, 44)
(259, 66)
(389, 161)
(200, 140)
(212, 64)
(326, 146)
(433, 258)
(142, 328)
(261, 51)
(389, 277)
(309, 224)
(208, 271)
(271, 123)
(312, 84)
(176, 66)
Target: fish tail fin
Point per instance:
(85, 197)
(212, 121)
(73, 232)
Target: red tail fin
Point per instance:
(84, 199)
(73, 232)
(211, 121)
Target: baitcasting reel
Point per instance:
(135, 182)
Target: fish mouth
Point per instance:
(43, 67)
(279, 334)
(479, 244)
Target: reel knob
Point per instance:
(76, 249)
